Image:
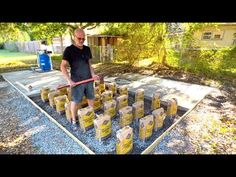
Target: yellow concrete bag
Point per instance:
(122, 90)
(124, 140)
(139, 95)
(156, 102)
(138, 109)
(51, 96)
(97, 90)
(44, 94)
(86, 117)
(159, 117)
(62, 91)
(146, 125)
(109, 108)
(111, 87)
(126, 116)
(172, 107)
(106, 96)
(97, 102)
(60, 103)
(122, 101)
(102, 87)
(102, 126)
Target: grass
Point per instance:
(14, 61)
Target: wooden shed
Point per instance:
(102, 40)
(102, 46)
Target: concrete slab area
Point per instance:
(187, 94)
(24, 79)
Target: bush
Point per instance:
(1, 45)
(213, 63)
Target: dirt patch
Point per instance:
(209, 129)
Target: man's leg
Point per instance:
(89, 93)
(73, 112)
(76, 96)
(90, 102)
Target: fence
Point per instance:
(27, 47)
(31, 47)
(102, 53)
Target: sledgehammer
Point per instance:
(80, 82)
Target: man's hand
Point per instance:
(71, 83)
(96, 77)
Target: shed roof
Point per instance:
(102, 35)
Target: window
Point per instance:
(234, 42)
(207, 35)
(234, 39)
(217, 36)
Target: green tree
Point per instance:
(73, 26)
(46, 31)
(140, 40)
(11, 32)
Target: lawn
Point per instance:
(16, 61)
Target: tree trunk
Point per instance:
(163, 60)
(61, 42)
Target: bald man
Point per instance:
(78, 56)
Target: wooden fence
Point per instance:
(31, 47)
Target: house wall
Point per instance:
(226, 40)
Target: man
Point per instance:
(78, 57)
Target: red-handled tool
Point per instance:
(80, 82)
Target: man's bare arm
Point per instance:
(64, 71)
(92, 71)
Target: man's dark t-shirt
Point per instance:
(79, 62)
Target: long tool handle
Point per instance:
(78, 83)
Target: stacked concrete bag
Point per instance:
(122, 90)
(172, 107)
(106, 96)
(102, 126)
(86, 117)
(51, 96)
(97, 91)
(122, 101)
(126, 116)
(156, 102)
(97, 102)
(146, 125)
(139, 95)
(62, 91)
(60, 103)
(124, 142)
(102, 86)
(159, 117)
(111, 87)
(138, 110)
(44, 93)
(109, 108)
